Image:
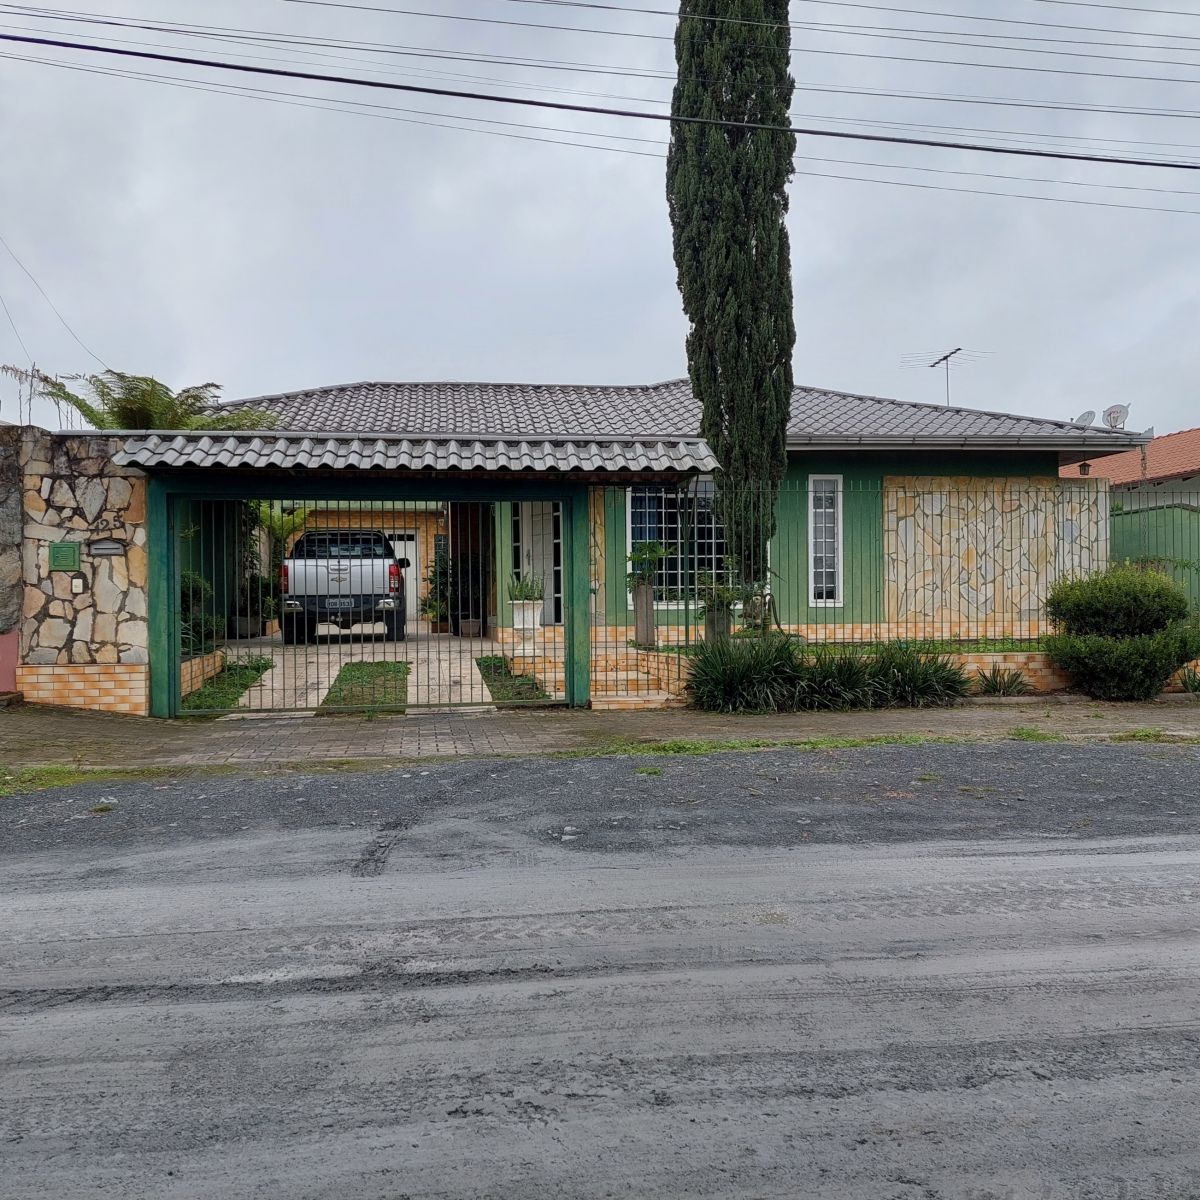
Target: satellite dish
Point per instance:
(1116, 415)
(1087, 418)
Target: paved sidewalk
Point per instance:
(32, 736)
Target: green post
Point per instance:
(578, 632)
(162, 584)
(504, 562)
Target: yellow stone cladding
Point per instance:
(961, 551)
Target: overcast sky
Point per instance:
(198, 236)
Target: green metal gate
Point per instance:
(327, 595)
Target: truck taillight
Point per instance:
(394, 577)
(283, 579)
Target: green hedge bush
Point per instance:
(780, 674)
(1124, 601)
(1123, 633)
(1131, 668)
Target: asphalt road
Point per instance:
(960, 972)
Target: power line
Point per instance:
(857, 30)
(65, 324)
(891, 8)
(324, 105)
(1158, 12)
(1030, 135)
(408, 12)
(597, 110)
(16, 331)
(257, 37)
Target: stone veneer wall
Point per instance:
(11, 532)
(971, 557)
(86, 650)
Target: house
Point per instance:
(894, 520)
(1155, 504)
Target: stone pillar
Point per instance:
(83, 633)
(11, 522)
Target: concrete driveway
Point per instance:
(902, 973)
(443, 673)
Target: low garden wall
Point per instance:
(194, 673)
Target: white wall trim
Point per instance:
(840, 602)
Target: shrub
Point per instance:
(199, 627)
(1189, 680)
(834, 679)
(1128, 668)
(906, 675)
(778, 674)
(750, 675)
(1001, 681)
(1123, 601)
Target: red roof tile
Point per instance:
(1172, 456)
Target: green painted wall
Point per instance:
(862, 509)
(1170, 533)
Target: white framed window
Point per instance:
(685, 521)
(825, 541)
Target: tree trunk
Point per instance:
(645, 628)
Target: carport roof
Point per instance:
(317, 451)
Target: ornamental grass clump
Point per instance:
(781, 674)
(1123, 633)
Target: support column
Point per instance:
(162, 587)
(577, 580)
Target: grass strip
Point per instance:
(505, 687)
(369, 685)
(223, 691)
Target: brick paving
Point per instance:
(31, 735)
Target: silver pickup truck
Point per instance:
(341, 577)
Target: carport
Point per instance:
(462, 518)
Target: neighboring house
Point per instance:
(1155, 504)
(895, 520)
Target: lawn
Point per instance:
(369, 685)
(507, 688)
(224, 690)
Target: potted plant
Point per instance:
(717, 602)
(435, 607)
(527, 593)
(644, 560)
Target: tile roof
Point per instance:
(390, 453)
(1172, 456)
(534, 412)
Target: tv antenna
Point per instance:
(958, 357)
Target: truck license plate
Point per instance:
(339, 602)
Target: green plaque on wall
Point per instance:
(64, 556)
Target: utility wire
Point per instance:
(65, 324)
(610, 69)
(16, 331)
(632, 114)
(891, 8)
(323, 104)
(1159, 12)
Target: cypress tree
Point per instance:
(727, 194)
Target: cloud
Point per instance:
(197, 236)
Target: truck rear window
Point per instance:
(338, 544)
